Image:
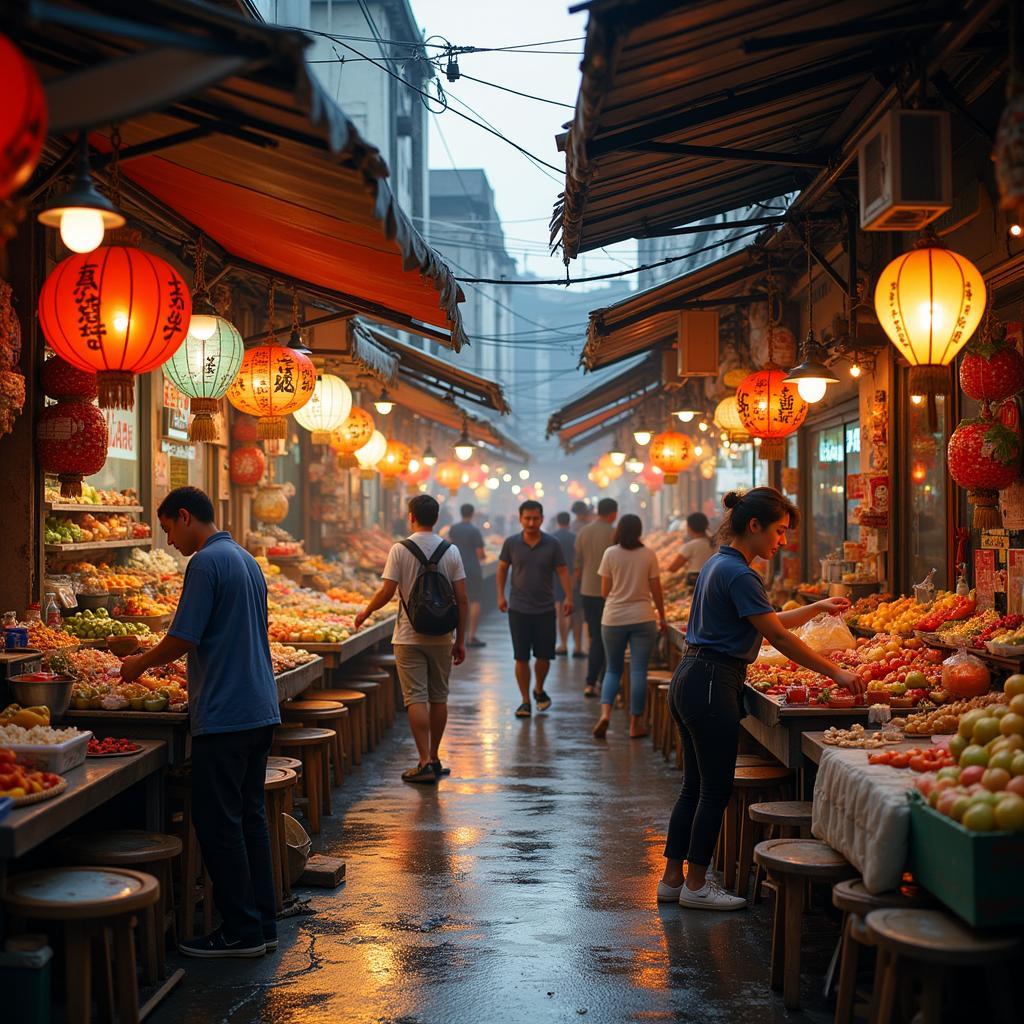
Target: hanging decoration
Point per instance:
(672, 453)
(59, 379)
(652, 476)
(394, 462)
(449, 476)
(992, 369)
(417, 473)
(22, 119)
(984, 456)
(270, 505)
(244, 431)
(71, 441)
(770, 409)
(727, 419)
(115, 312)
(608, 466)
(327, 410)
(246, 465)
(354, 432)
(12, 383)
(371, 453)
(929, 302)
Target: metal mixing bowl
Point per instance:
(54, 693)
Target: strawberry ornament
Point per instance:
(984, 457)
(992, 369)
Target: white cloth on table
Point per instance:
(861, 811)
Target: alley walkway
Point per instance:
(521, 889)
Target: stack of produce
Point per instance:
(98, 625)
(964, 631)
(92, 496)
(142, 605)
(947, 607)
(286, 658)
(864, 606)
(19, 779)
(154, 562)
(366, 549)
(42, 638)
(35, 736)
(902, 614)
(1009, 629)
(301, 615)
(944, 720)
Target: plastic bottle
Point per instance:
(52, 612)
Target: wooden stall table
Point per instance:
(337, 654)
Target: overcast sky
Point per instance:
(524, 193)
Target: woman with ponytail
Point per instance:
(729, 617)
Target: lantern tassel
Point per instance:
(320, 436)
(772, 449)
(70, 485)
(116, 389)
(203, 426)
(271, 428)
(986, 508)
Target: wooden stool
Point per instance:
(750, 784)
(151, 852)
(934, 942)
(791, 864)
(277, 761)
(786, 819)
(196, 886)
(356, 723)
(854, 900)
(374, 692)
(90, 902)
(312, 746)
(392, 693)
(327, 714)
(279, 782)
(655, 678)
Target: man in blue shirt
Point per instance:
(221, 625)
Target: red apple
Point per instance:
(971, 775)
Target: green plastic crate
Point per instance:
(975, 874)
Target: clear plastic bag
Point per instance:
(826, 632)
(965, 675)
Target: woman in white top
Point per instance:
(699, 547)
(631, 587)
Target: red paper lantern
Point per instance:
(672, 453)
(244, 430)
(449, 476)
(395, 462)
(22, 118)
(59, 379)
(770, 409)
(71, 441)
(984, 457)
(115, 312)
(354, 432)
(246, 465)
(992, 369)
(273, 382)
(652, 476)
(413, 477)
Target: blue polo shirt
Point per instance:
(727, 591)
(223, 613)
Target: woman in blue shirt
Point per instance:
(729, 616)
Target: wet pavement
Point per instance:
(519, 889)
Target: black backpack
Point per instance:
(432, 609)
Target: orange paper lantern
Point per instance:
(652, 476)
(395, 462)
(672, 453)
(770, 409)
(354, 432)
(449, 476)
(116, 311)
(273, 382)
(608, 468)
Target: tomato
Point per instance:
(919, 764)
(883, 758)
(900, 760)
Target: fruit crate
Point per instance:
(975, 874)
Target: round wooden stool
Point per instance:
(785, 819)
(392, 693)
(151, 852)
(356, 724)
(278, 784)
(751, 783)
(791, 863)
(326, 714)
(934, 941)
(196, 887)
(90, 902)
(312, 747)
(374, 692)
(854, 900)
(278, 761)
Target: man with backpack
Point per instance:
(430, 580)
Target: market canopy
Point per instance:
(650, 319)
(688, 110)
(638, 380)
(248, 149)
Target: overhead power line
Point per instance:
(516, 92)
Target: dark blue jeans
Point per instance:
(228, 774)
(641, 637)
(706, 701)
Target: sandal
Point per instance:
(524, 710)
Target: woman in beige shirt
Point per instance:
(631, 586)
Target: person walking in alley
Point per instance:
(729, 616)
(567, 539)
(221, 626)
(582, 516)
(429, 636)
(591, 543)
(531, 559)
(631, 586)
(470, 542)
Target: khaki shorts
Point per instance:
(423, 672)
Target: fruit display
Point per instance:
(17, 779)
(140, 604)
(285, 658)
(857, 737)
(946, 607)
(918, 759)
(27, 718)
(61, 530)
(864, 606)
(963, 631)
(944, 720)
(109, 746)
(98, 625)
(153, 561)
(43, 638)
(365, 549)
(787, 683)
(89, 528)
(897, 616)
(93, 496)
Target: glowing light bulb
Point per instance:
(642, 437)
(686, 416)
(516, 489)
(855, 370)
(384, 408)
(121, 322)
(493, 483)
(932, 316)
(618, 458)
(698, 450)
(507, 478)
(524, 474)
(812, 389)
(564, 478)
(757, 442)
(763, 405)
(634, 488)
(703, 426)
(917, 399)
(81, 229)
(725, 444)
(1016, 230)
(463, 452)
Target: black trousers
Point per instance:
(593, 609)
(706, 701)
(228, 775)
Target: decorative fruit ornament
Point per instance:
(246, 465)
(22, 118)
(394, 462)
(273, 381)
(243, 430)
(354, 432)
(71, 441)
(270, 504)
(984, 457)
(59, 379)
(771, 409)
(672, 453)
(929, 302)
(327, 409)
(992, 369)
(449, 475)
(116, 311)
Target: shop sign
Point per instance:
(830, 446)
(995, 540)
(178, 472)
(985, 578)
(175, 412)
(121, 434)
(178, 451)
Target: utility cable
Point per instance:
(516, 92)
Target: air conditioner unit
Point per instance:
(906, 178)
(697, 343)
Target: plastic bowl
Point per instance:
(53, 693)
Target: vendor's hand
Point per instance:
(834, 605)
(502, 604)
(662, 625)
(567, 608)
(132, 667)
(458, 653)
(360, 619)
(850, 681)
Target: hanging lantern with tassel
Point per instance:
(353, 434)
(394, 462)
(771, 409)
(449, 476)
(727, 418)
(671, 452)
(71, 440)
(984, 457)
(327, 409)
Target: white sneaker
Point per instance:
(711, 897)
(668, 893)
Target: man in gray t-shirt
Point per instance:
(532, 559)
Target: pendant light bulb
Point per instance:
(812, 389)
(202, 326)
(463, 452)
(703, 426)
(917, 399)
(617, 458)
(642, 437)
(855, 370)
(686, 415)
(81, 229)
(384, 405)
